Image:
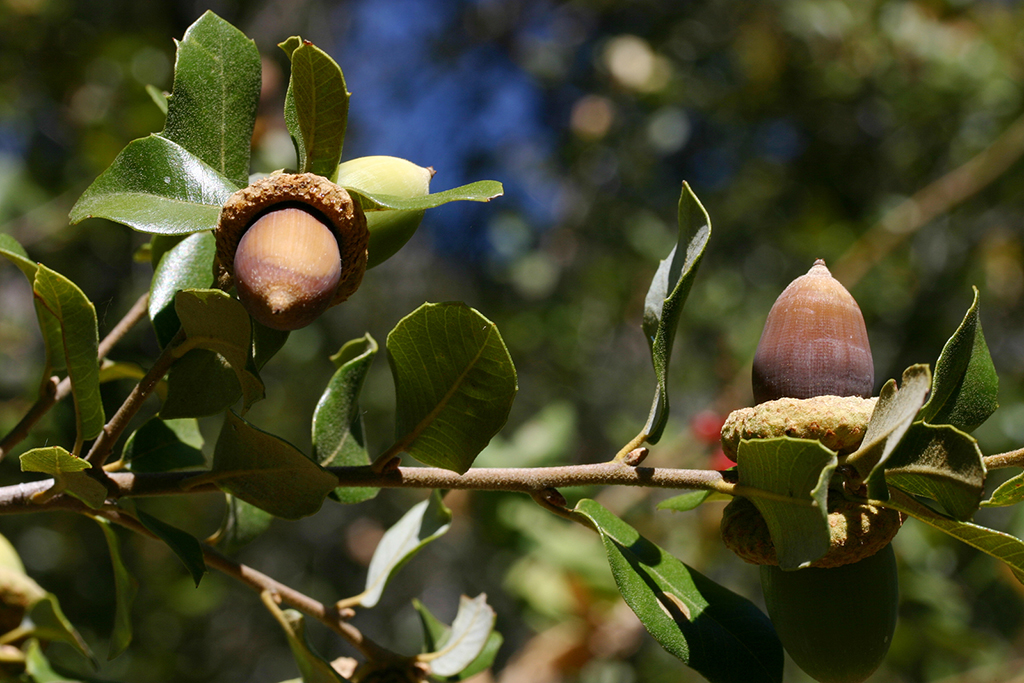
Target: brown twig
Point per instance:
(1008, 459)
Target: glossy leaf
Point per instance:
(125, 588)
(315, 107)
(68, 474)
(242, 523)
(423, 523)
(313, 667)
(467, 638)
(999, 545)
(199, 384)
(50, 624)
(266, 471)
(894, 412)
(163, 446)
(80, 340)
(480, 191)
(183, 544)
(454, 384)
(685, 502)
(156, 186)
(266, 342)
(799, 470)
(965, 387)
(719, 634)
(215, 321)
(1010, 492)
(211, 111)
(48, 324)
(665, 299)
(435, 633)
(189, 265)
(338, 421)
(941, 463)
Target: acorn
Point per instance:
(814, 343)
(293, 245)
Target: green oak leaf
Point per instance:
(181, 543)
(164, 446)
(50, 624)
(242, 523)
(480, 191)
(685, 502)
(68, 474)
(454, 384)
(719, 634)
(313, 667)
(189, 265)
(1010, 492)
(125, 588)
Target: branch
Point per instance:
(1008, 459)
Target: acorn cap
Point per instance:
(342, 214)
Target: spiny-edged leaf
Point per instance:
(80, 339)
(435, 632)
(125, 588)
(721, 635)
(965, 385)
(183, 544)
(1010, 492)
(454, 383)
(189, 265)
(199, 384)
(466, 640)
(424, 522)
(266, 471)
(480, 191)
(313, 667)
(48, 323)
(242, 523)
(49, 623)
(894, 412)
(666, 296)
(163, 446)
(799, 470)
(999, 545)
(685, 502)
(156, 186)
(941, 463)
(68, 474)
(338, 421)
(211, 111)
(215, 321)
(315, 107)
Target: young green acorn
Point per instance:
(836, 618)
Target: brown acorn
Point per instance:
(293, 245)
(814, 343)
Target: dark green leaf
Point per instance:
(719, 634)
(338, 421)
(242, 523)
(214, 321)
(313, 667)
(800, 471)
(424, 522)
(315, 108)
(480, 191)
(666, 296)
(199, 384)
(68, 474)
(965, 385)
(685, 502)
(156, 186)
(454, 384)
(38, 666)
(941, 463)
(125, 588)
(164, 446)
(467, 638)
(212, 108)
(184, 545)
(266, 342)
(1010, 492)
(266, 471)
(49, 623)
(80, 339)
(435, 632)
(188, 265)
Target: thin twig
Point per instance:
(1008, 459)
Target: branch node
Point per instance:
(636, 456)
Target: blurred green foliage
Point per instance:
(802, 125)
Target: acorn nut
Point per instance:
(814, 343)
(293, 245)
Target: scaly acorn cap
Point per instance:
(311, 191)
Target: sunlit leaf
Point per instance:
(480, 191)
(666, 296)
(338, 422)
(466, 640)
(183, 544)
(156, 186)
(125, 588)
(313, 667)
(965, 386)
(799, 470)
(685, 502)
(189, 265)
(68, 474)
(454, 383)
(423, 523)
(435, 633)
(1010, 492)
(719, 634)
(211, 111)
(315, 107)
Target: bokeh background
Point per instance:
(881, 135)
